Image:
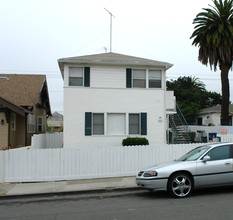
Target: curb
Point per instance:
(86, 192)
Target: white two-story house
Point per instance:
(109, 97)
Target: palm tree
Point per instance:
(186, 82)
(214, 36)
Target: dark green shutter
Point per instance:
(88, 121)
(87, 76)
(143, 123)
(128, 78)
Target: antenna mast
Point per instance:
(111, 15)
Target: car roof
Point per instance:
(212, 145)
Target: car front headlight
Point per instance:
(150, 173)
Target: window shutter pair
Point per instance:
(88, 123)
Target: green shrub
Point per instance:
(131, 141)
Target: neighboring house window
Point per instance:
(116, 123)
(13, 122)
(199, 121)
(139, 78)
(155, 78)
(75, 76)
(79, 76)
(98, 124)
(39, 124)
(134, 125)
(31, 124)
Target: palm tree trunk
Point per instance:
(225, 95)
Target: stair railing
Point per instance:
(173, 128)
(182, 119)
(181, 123)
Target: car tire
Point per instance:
(180, 185)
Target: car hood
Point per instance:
(166, 164)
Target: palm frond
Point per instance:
(213, 34)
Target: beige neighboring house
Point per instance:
(55, 122)
(211, 116)
(24, 107)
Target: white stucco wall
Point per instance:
(108, 76)
(80, 100)
(211, 119)
(170, 101)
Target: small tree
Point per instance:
(191, 96)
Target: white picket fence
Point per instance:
(47, 140)
(227, 138)
(31, 165)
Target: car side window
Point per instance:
(220, 153)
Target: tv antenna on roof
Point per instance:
(111, 15)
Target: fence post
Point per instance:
(2, 166)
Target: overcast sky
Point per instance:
(36, 33)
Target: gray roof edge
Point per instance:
(155, 63)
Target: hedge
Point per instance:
(132, 141)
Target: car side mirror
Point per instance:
(205, 158)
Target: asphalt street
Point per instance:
(134, 204)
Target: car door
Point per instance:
(218, 170)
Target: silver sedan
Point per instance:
(206, 166)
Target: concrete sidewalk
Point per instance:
(104, 184)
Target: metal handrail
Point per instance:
(182, 119)
(182, 123)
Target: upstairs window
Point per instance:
(143, 78)
(139, 78)
(75, 76)
(155, 78)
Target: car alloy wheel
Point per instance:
(180, 185)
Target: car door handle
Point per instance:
(228, 163)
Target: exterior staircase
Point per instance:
(179, 128)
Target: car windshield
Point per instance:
(194, 154)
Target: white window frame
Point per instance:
(147, 78)
(161, 76)
(133, 78)
(118, 128)
(73, 75)
(40, 124)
